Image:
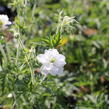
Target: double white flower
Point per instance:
(52, 62)
(4, 21)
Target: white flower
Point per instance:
(52, 62)
(4, 20)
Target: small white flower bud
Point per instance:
(10, 95)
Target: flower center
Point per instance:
(52, 60)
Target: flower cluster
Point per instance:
(52, 62)
(4, 21)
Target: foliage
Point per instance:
(84, 42)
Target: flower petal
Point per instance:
(51, 69)
(46, 69)
(42, 59)
(60, 60)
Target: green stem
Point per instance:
(3, 53)
(29, 64)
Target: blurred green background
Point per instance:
(85, 45)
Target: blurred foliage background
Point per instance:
(85, 45)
